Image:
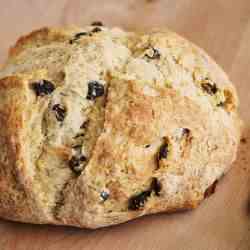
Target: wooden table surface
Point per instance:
(222, 28)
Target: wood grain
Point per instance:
(222, 28)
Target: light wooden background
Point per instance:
(222, 27)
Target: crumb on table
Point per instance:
(243, 140)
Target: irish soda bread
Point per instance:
(99, 126)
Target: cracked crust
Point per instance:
(41, 37)
(18, 198)
(133, 120)
(164, 113)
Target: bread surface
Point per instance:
(100, 126)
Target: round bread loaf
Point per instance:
(99, 126)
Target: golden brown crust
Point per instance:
(17, 200)
(135, 120)
(40, 37)
(149, 104)
(23, 41)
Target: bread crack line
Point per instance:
(78, 162)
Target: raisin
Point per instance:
(77, 36)
(220, 104)
(156, 54)
(84, 125)
(95, 89)
(71, 41)
(209, 87)
(186, 131)
(97, 23)
(43, 87)
(243, 140)
(136, 202)
(96, 29)
(60, 112)
(163, 152)
(75, 164)
(211, 189)
(79, 135)
(104, 195)
(155, 186)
